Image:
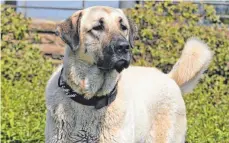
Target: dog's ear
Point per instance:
(132, 32)
(69, 30)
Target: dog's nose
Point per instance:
(123, 47)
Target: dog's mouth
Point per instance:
(104, 69)
(118, 66)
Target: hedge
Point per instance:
(24, 75)
(163, 29)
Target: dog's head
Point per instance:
(100, 35)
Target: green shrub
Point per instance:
(163, 30)
(162, 33)
(24, 75)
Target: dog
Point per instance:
(96, 96)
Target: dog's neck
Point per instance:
(85, 78)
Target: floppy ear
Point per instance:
(69, 30)
(132, 32)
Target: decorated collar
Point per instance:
(97, 102)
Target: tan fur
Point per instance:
(180, 126)
(149, 106)
(106, 10)
(161, 125)
(75, 16)
(113, 118)
(193, 62)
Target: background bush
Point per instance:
(163, 30)
(24, 74)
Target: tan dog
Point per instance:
(148, 106)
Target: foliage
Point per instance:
(163, 28)
(24, 75)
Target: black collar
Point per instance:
(98, 102)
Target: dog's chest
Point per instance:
(106, 125)
(86, 124)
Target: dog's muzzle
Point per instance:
(120, 65)
(116, 56)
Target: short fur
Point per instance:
(149, 106)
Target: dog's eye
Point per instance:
(123, 27)
(98, 27)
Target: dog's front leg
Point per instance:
(60, 122)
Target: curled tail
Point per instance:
(194, 60)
